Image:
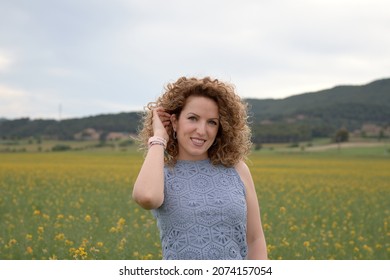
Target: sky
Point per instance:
(76, 58)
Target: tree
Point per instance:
(342, 135)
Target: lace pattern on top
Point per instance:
(204, 212)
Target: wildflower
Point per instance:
(294, 228)
(37, 213)
(60, 217)
(113, 230)
(285, 243)
(79, 253)
(59, 236)
(270, 248)
(100, 244)
(94, 250)
(121, 222)
(12, 242)
(282, 210)
(148, 256)
(306, 243)
(29, 250)
(29, 237)
(266, 226)
(367, 248)
(87, 218)
(41, 230)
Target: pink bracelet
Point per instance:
(155, 140)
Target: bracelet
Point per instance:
(155, 140)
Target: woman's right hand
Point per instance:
(161, 120)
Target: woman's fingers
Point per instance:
(161, 121)
(164, 117)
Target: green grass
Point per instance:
(77, 205)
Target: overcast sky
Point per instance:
(76, 58)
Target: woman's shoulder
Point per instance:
(244, 173)
(242, 168)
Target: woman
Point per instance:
(194, 177)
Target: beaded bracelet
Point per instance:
(155, 140)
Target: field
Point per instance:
(77, 205)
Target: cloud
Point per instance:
(89, 54)
(6, 61)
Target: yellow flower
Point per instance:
(113, 230)
(29, 236)
(285, 243)
(367, 248)
(306, 243)
(29, 250)
(41, 230)
(282, 210)
(266, 226)
(294, 228)
(37, 212)
(121, 222)
(100, 244)
(79, 253)
(59, 236)
(87, 218)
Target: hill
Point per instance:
(296, 118)
(319, 114)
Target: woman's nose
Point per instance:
(201, 128)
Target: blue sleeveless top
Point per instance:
(203, 215)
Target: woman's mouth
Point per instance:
(198, 141)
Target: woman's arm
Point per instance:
(257, 248)
(148, 189)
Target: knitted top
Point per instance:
(203, 215)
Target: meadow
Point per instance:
(77, 205)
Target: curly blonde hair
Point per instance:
(233, 140)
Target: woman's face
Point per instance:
(196, 127)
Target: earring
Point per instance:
(174, 134)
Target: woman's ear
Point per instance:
(174, 121)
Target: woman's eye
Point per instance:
(192, 118)
(213, 122)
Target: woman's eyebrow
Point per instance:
(196, 115)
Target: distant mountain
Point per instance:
(68, 128)
(321, 113)
(296, 118)
(373, 95)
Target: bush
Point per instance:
(60, 148)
